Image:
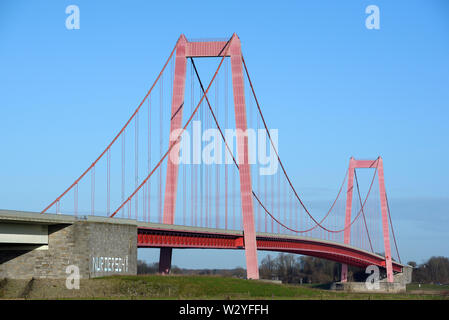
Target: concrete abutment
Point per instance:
(95, 248)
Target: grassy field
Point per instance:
(428, 289)
(190, 287)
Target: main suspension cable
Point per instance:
(363, 211)
(175, 141)
(277, 154)
(118, 134)
(317, 224)
(392, 229)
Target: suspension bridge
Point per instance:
(184, 168)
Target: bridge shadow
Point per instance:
(11, 251)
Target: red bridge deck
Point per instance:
(174, 236)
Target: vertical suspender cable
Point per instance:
(217, 172)
(136, 161)
(193, 171)
(108, 182)
(392, 230)
(123, 168)
(149, 159)
(161, 111)
(92, 200)
(76, 199)
(226, 126)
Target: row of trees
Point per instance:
(434, 270)
(288, 268)
(291, 268)
(153, 268)
(294, 269)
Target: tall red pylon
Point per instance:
(172, 168)
(232, 49)
(375, 164)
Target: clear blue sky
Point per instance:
(334, 89)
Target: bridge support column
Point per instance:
(165, 260)
(179, 80)
(242, 144)
(347, 232)
(344, 272)
(378, 163)
(252, 268)
(171, 185)
(44, 247)
(386, 229)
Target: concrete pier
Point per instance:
(44, 245)
(398, 286)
